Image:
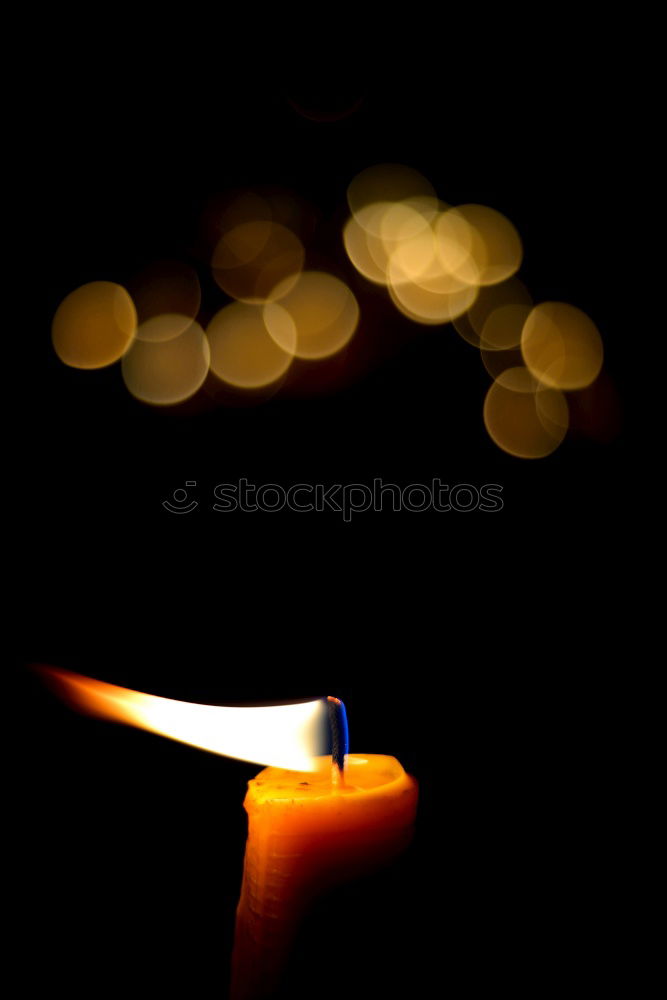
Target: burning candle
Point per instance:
(313, 820)
(306, 832)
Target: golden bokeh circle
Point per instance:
(369, 219)
(496, 245)
(413, 258)
(432, 299)
(561, 346)
(243, 353)
(323, 311)
(253, 258)
(522, 417)
(357, 245)
(94, 325)
(401, 221)
(455, 243)
(167, 372)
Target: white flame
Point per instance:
(290, 736)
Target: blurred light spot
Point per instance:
(165, 288)
(403, 220)
(434, 299)
(496, 247)
(455, 242)
(243, 353)
(167, 372)
(369, 220)
(323, 311)
(561, 346)
(389, 182)
(251, 259)
(421, 253)
(94, 325)
(413, 253)
(395, 242)
(471, 325)
(356, 241)
(522, 417)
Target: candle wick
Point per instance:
(340, 740)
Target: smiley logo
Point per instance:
(179, 501)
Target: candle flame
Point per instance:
(290, 736)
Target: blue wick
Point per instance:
(340, 737)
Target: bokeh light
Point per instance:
(252, 258)
(167, 372)
(561, 346)
(425, 262)
(358, 244)
(410, 243)
(455, 242)
(243, 353)
(94, 325)
(313, 318)
(496, 246)
(524, 418)
(438, 263)
(432, 258)
(435, 298)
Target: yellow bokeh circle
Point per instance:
(170, 371)
(561, 346)
(243, 353)
(94, 325)
(522, 417)
(323, 312)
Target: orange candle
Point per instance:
(306, 832)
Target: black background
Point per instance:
(471, 646)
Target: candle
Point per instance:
(341, 816)
(306, 832)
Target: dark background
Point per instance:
(473, 647)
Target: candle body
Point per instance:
(305, 834)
